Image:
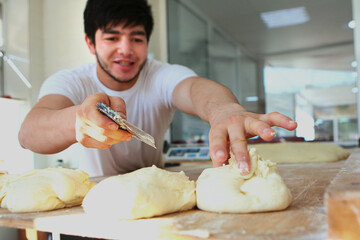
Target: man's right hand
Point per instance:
(95, 130)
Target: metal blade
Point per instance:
(124, 125)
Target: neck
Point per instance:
(111, 83)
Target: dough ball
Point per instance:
(301, 152)
(44, 189)
(146, 192)
(6, 178)
(224, 189)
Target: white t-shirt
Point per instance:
(149, 106)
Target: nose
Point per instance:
(124, 46)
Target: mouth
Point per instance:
(125, 63)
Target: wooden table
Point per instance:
(306, 218)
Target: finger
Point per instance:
(239, 148)
(279, 120)
(255, 127)
(118, 104)
(89, 114)
(89, 142)
(89, 110)
(118, 135)
(107, 137)
(218, 144)
(93, 133)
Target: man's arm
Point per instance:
(55, 123)
(231, 125)
(50, 125)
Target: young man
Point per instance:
(145, 91)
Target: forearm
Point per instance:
(209, 97)
(47, 130)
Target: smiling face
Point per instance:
(121, 53)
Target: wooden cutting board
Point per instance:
(342, 199)
(306, 218)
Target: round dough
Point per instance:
(224, 189)
(301, 152)
(146, 192)
(44, 189)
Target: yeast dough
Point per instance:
(224, 189)
(44, 189)
(301, 152)
(146, 192)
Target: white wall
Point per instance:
(64, 44)
(158, 41)
(36, 52)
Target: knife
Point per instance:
(126, 126)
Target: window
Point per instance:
(322, 102)
(198, 44)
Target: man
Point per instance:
(145, 91)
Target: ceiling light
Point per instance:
(354, 64)
(285, 17)
(252, 99)
(351, 24)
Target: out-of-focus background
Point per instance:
(295, 57)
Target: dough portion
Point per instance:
(144, 193)
(44, 189)
(224, 189)
(5, 178)
(301, 152)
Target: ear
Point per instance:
(90, 44)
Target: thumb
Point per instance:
(119, 105)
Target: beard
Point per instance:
(105, 68)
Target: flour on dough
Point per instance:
(224, 189)
(301, 152)
(146, 192)
(44, 189)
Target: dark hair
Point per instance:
(100, 14)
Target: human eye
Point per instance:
(110, 38)
(138, 40)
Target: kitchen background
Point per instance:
(299, 61)
(304, 68)
(294, 57)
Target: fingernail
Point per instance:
(130, 137)
(219, 154)
(266, 130)
(244, 167)
(272, 132)
(291, 122)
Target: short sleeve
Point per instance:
(170, 76)
(64, 83)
